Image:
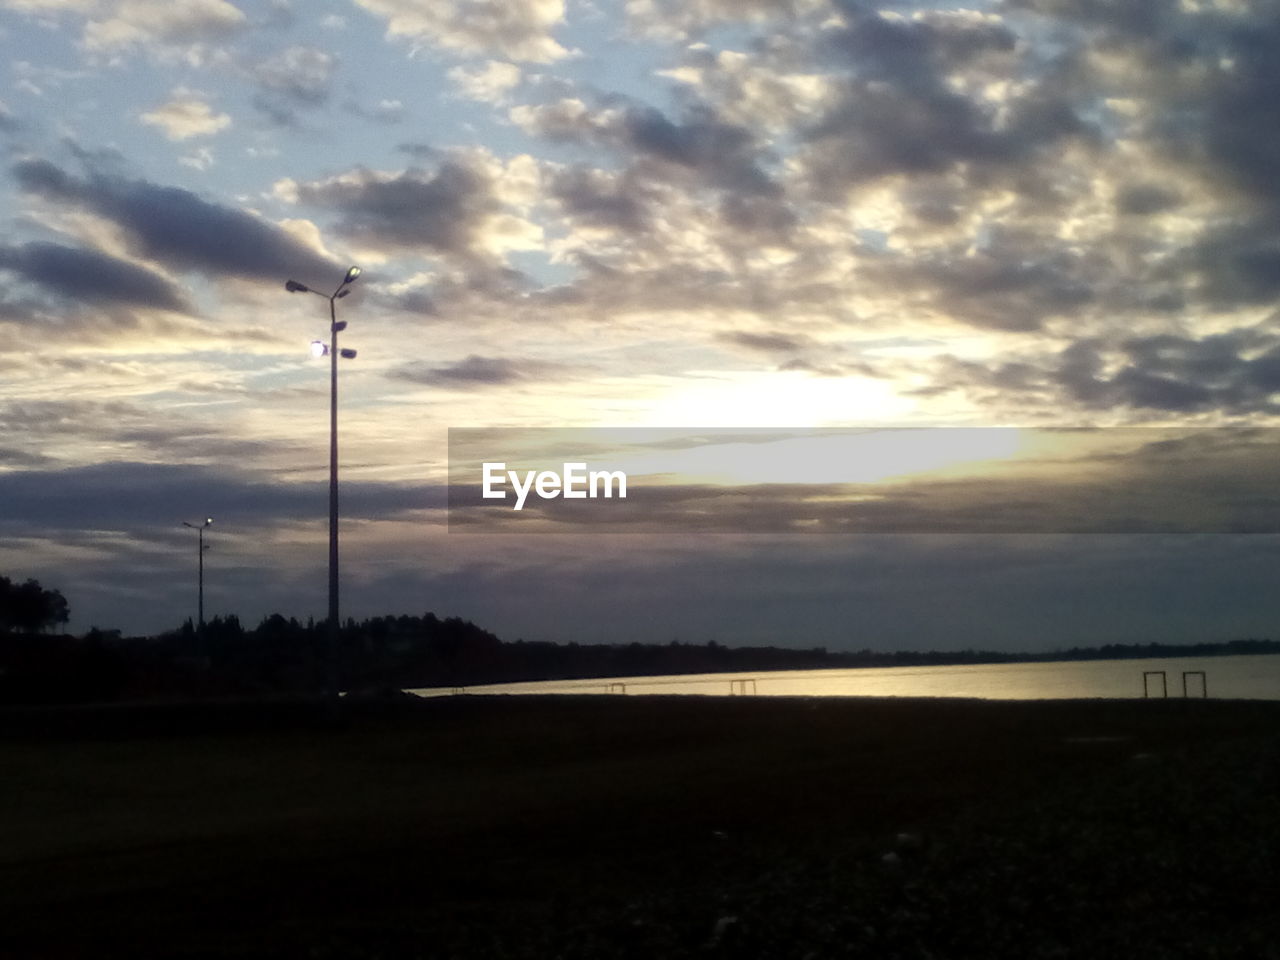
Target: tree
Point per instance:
(29, 608)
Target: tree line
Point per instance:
(283, 655)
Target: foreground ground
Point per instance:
(643, 827)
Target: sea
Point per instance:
(1249, 677)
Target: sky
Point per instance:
(695, 214)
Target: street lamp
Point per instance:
(200, 567)
(319, 349)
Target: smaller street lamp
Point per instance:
(200, 567)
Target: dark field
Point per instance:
(644, 827)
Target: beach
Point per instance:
(642, 827)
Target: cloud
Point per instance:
(90, 276)
(301, 75)
(597, 198)
(199, 159)
(1235, 373)
(384, 111)
(447, 210)
(23, 458)
(44, 7)
(684, 19)
(902, 109)
(673, 173)
(763, 342)
(473, 372)
(176, 227)
(490, 83)
(518, 30)
(130, 496)
(757, 89)
(1226, 372)
(127, 428)
(794, 352)
(163, 27)
(722, 154)
(998, 289)
(186, 114)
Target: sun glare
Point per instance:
(780, 399)
(833, 456)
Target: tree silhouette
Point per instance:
(30, 608)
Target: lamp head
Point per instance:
(347, 353)
(293, 286)
(319, 348)
(351, 275)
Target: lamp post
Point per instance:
(319, 349)
(200, 567)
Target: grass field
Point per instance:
(643, 827)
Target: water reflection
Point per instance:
(1234, 677)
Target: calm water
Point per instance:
(1239, 677)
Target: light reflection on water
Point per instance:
(1234, 677)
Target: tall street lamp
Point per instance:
(319, 349)
(200, 567)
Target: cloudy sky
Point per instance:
(658, 213)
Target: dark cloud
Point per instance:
(763, 342)
(878, 130)
(1144, 199)
(133, 429)
(441, 210)
(915, 51)
(177, 227)
(292, 79)
(716, 152)
(1205, 83)
(1238, 262)
(725, 153)
(474, 371)
(625, 288)
(140, 496)
(758, 216)
(600, 199)
(899, 112)
(1228, 114)
(278, 112)
(1015, 286)
(1181, 375)
(11, 457)
(1237, 372)
(91, 276)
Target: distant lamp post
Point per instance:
(200, 567)
(319, 349)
